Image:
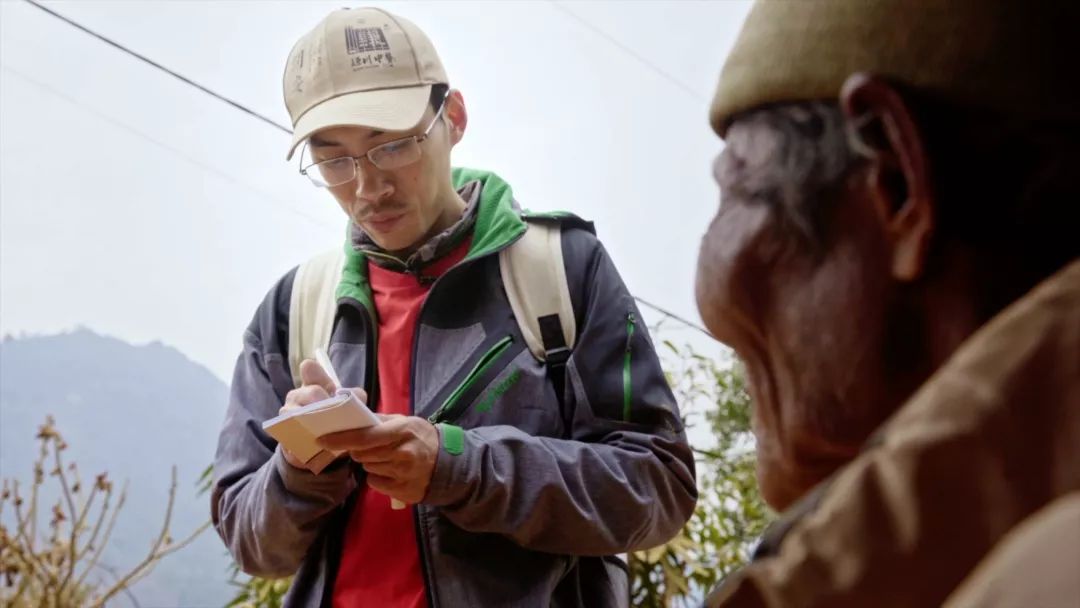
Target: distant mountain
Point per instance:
(133, 411)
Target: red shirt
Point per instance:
(380, 559)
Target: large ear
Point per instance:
(885, 130)
(457, 118)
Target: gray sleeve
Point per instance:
(267, 511)
(624, 478)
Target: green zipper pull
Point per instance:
(626, 378)
(443, 414)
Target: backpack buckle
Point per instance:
(557, 357)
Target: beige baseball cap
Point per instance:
(360, 67)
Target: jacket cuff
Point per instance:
(450, 479)
(304, 482)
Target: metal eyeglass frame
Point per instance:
(356, 159)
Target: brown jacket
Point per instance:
(1037, 565)
(989, 440)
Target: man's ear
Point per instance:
(457, 118)
(886, 133)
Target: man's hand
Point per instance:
(398, 454)
(317, 386)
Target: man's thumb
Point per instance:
(313, 373)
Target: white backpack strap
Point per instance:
(312, 306)
(535, 280)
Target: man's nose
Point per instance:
(372, 185)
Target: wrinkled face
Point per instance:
(397, 208)
(815, 323)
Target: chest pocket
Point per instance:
(506, 386)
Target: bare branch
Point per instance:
(54, 577)
(156, 551)
(39, 465)
(97, 526)
(75, 519)
(127, 591)
(171, 548)
(21, 524)
(28, 573)
(96, 557)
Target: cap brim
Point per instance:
(383, 109)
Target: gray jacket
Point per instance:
(532, 496)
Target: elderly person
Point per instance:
(896, 261)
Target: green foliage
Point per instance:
(258, 592)
(729, 517)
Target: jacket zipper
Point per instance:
(627, 380)
(448, 410)
(372, 389)
(425, 557)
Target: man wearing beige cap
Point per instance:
(531, 445)
(896, 261)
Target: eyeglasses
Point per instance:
(386, 157)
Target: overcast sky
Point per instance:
(142, 208)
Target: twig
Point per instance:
(171, 548)
(112, 572)
(39, 465)
(90, 544)
(24, 581)
(20, 530)
(707, 453)
(23, 585)
(57, 446)
(151, 558)
(43, 578)
(108, 533)
(82, 519)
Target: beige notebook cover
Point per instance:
(299, 430)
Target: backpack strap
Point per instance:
(534, 277)
(312, 307)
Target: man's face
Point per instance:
(814, 324)
(398, 207)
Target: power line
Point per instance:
(284, 129)
(626, 49)
(668, 313)
(133, 131)
(157, 65)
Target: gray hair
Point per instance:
(999, 179)
(788, 156)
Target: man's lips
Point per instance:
(384, 223)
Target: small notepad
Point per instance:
(299, 430)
